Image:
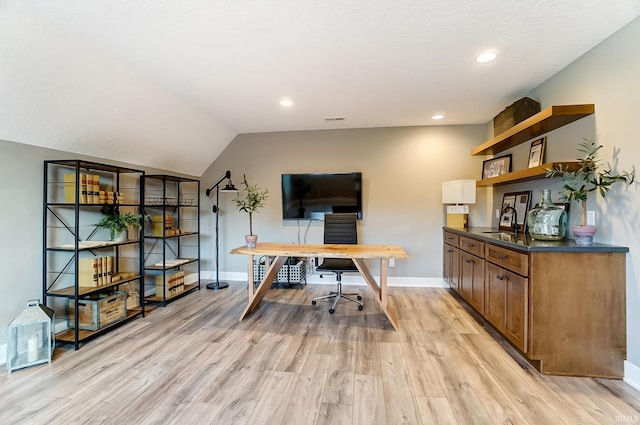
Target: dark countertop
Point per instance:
(523, 242)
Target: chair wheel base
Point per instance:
(313, 302)
(359, 298)
(360, 307)
(331, 311)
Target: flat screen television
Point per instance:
(311, 195)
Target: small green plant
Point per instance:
(117, 223)
(577, 185)
(252, 201)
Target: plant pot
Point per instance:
(251, 240)
(583, 234)
(120, 237)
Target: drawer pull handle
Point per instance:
(471, 245)
(450, 251)
(500, 277)
(502, 257)
(469, 261)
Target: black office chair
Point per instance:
(339, 229)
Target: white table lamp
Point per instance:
(458, 192)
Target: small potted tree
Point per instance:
(577, 185)
(118, 224)
(251, 202)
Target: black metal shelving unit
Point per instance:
(171, 208)
(69, 234)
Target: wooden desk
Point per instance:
(358, 253)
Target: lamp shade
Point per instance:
(462, 191)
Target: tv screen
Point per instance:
(310, 196)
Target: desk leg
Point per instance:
(380, 291)
(256, 298)
(251, 278)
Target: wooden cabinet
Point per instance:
(471, 286)
(451, 264)
(506, 306)
(464, 268)
(561, 305)
(543, 122)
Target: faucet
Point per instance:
(514, 220)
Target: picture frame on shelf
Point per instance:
(495, 167)
(536, 152)
(520, 201)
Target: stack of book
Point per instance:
(95, 271)
(173, 286)
(89, 189)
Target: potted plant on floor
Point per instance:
(118, 224)
(251, 202)
(577, 185)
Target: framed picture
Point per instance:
(518, 201)
(536, 153)
(495, 167)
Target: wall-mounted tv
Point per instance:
(311, 195)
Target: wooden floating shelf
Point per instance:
(543, 122)
(533, 173)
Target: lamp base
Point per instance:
(458, 220)
(217, 285)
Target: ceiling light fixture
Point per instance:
(286, 103)
(486, 57)
(437, 117)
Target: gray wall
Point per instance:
(402, 173)
(608, 77)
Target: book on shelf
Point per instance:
(95, 190)
(70, 188)
(94, 271)
(171, 262)
(83, 188)
(116, 277)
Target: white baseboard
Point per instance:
(632, 375)
(348, 279)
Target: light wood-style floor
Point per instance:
(291, 363)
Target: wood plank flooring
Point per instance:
(289, 363)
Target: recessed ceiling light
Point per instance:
(286, 103)
(486, 57)
(437, 117)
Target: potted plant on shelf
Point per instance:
(589, 177)
(118, 224)
(251, 202)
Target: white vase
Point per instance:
(121, 237)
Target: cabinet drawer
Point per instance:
(450, 238)
(472, 246)
(511, 260)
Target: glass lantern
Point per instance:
(30, 337)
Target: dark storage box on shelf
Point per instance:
(98, 310)
(514, 114)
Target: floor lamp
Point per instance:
(228, 188)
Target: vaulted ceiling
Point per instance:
(169, 83)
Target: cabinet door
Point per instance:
(506, 302)
(516, 310)
(451, 266)
(471, 280)
(495, 294)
